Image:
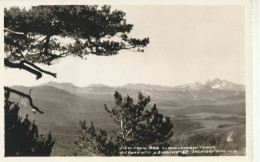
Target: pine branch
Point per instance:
(14, 32)
(38, 72)
(24, 95)
(39, 69)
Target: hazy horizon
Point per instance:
(92, 84)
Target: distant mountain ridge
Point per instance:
(224, 85)
(64, 104)
(64, 86)
(140, 86)
(215, 84)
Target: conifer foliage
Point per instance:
(21, 135)
(93, 142)
(43, 34)
(137, 126)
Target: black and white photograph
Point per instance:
(127, 80)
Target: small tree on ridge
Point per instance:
(137, 127)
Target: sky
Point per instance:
(187, 44)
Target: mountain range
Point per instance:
(65, 104)
(215, 84)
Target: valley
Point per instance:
(207, 111)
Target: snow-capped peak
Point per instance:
(224, 85)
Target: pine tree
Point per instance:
(21, 135)
(137, 127)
